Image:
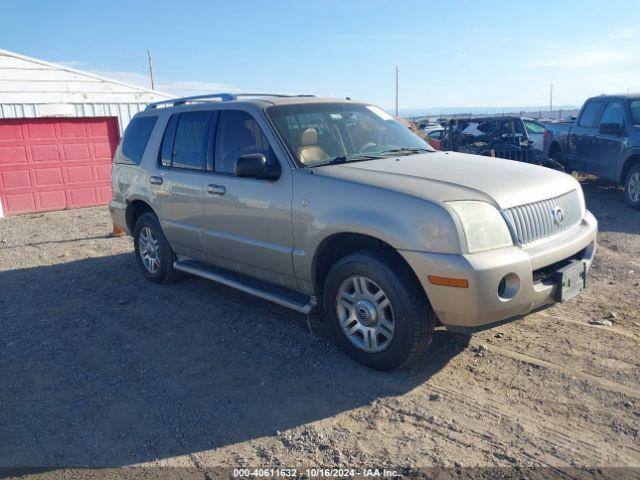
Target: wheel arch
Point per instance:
(553, 148)
(630, 161)
(134, 209)
(339, 245)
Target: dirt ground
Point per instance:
(101, 368)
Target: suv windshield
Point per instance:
(635, 111)
(324, 133)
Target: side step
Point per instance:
(274, 293)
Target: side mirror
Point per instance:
(611, 129)
(255, 165)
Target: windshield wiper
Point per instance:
(356, 157)
(406, 150)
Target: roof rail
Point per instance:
(279, 95)
(196, 98)
(223, 97)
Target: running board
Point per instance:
(274, 293)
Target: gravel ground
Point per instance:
(101, 368)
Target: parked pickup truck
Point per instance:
(311, 202)
(603, 141)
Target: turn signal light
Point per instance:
(449, 282)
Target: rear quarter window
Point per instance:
(136, 137)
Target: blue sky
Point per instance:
(450, 53)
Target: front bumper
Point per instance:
(480, 305)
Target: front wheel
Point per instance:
(632, 187)
(377, 311)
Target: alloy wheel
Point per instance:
(149, 250)
(634, 187)
(365, 314)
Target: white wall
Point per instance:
(25, 80)
(31, 88)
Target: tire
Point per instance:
(632, 187)
(408, 310)
(147, 230)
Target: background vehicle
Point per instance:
(306, 201)
(502, 137)
(433, 136)
(535, 132)
(428, 126)
(604, 141)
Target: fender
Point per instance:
(626, 163)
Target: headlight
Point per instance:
(484, 227)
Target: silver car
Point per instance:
(332, 204)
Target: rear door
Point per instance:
(247, 221)
(609, 143)
(177, 181)
(582, 136)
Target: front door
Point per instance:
(582, 136)
(247, 221)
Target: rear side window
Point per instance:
(635, 111)
(136, 137)
(534, 128)
(589, 117)
(186, 140)
(613, 114)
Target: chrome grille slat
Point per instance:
(535, 221)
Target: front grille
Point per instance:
(546, 218)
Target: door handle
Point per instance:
(155, 180)
(216, 189)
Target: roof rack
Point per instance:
(196, 98)
(222, 97)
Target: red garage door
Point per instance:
(55, 163)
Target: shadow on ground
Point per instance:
(101, 368)
(607, 202)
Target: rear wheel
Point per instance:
(632, 187)
(377, 311)
(154, 254)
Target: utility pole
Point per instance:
(396, 90)
(550, 96)
(150, 69)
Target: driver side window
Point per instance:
(238, 134)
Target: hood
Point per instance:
(446, 176)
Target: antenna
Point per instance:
(150, 69)
(396, 90)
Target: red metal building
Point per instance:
(59, 128)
